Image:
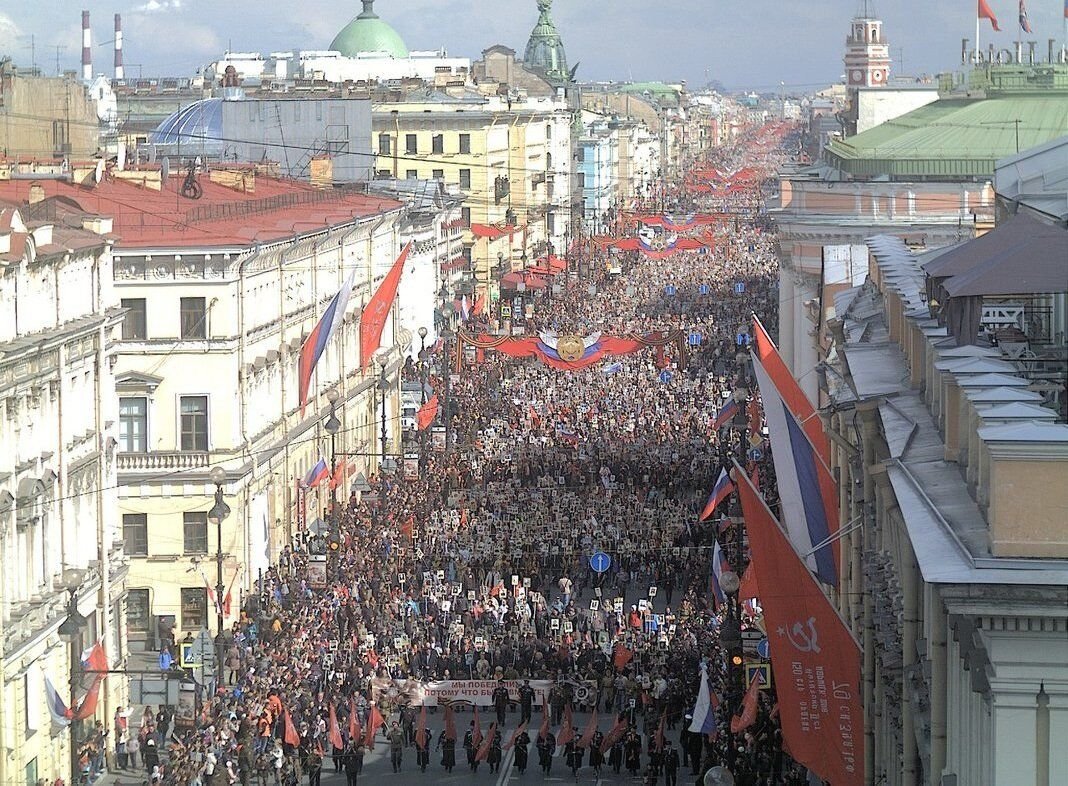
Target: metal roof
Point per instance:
(954, 137)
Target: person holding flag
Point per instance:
(521, 741)
(447, 741)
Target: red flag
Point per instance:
(749, 706)
(591, 729)
(334, 733)
(476, 735)
(983, 12)
(792, 395)
(406, 527)
(480, 303)
(658, 739)
(426, 414)
(374, 722)
(614, 735)
(748, 589)
(450, 723)
(815, 658)
(420, 730)
(355, 732)
(543, 732)
(621, 657)
(291, 737)
(484, 748)
(373, 318)
(567, 731)
(515, 735)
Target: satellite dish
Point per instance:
(121, 161)
(98, 173)
(165, 168)
(719, 776)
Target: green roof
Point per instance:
(368, 33)
(957, 138)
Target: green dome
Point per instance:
(368, 33)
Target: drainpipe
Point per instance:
(868, 639)
(910, 611)
(937, 616)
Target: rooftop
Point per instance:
(368, 33)
(223, 217)
(545, 48)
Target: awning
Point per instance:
(492, 231)
(513, 280)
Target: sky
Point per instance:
(756, 44)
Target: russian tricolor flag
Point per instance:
(726, 413)
(320, 337)
(806, 488)
(723, 488)
(704, 708)
(317, 474)
(719, 564)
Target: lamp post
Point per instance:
(70, 631)
(333, 426)
(383, 359)
(219, 511)
(422, 364)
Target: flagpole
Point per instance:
(978, 50)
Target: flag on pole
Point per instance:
(749, 588)
(320, 336)
(291, 737)
(522, 727)
(57, 708)
(983, 11)
(334, 733)
(808, 491)
(450, 723)
(1025, 24)
(317, 474)
(420, 730)
(621, 656)
(764, 349)
(704, 713)
(484, 748)
(591, 728)
(815, 659)
(374, 722)
(726, 413)
(567, 729)
(476, 733)
(373, 318)
(615, 734)
(749, 706)
(355, 732)
(543, 732)
(465, 309)
(719, 565)
(426, 414)
(658, 738)
(723, 489)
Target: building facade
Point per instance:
(58, 473)
(46, 117)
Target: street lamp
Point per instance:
(70, 631)
(422, 364)
(382, 357)
(333, 426)
(219, 511)
(446, 312)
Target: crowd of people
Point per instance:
(480, 568)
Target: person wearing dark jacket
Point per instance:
(546, 748)
(521, 743)
(448, 751)
(671, 764)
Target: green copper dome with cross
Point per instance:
(545, 50)
(369, 33)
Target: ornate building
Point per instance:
(545, 49)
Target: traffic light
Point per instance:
(736, 657)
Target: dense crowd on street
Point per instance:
(480, 567)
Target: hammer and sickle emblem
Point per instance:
(570, 348)
(802, 641)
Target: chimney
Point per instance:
(119, 72)
(87, 49)
(37, 193)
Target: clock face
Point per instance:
(857, 76)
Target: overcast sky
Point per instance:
(742, 43)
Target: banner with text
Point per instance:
(442, 692)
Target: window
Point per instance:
(133, 425)
(193, 317)
(195, 532)
(465, 216)
(437, 143)
(137, 611)
(31, 766)
(411, 174)
(32, 687)
(135, 534)
(194, 608)
(549, 161)
(384, 147)
(581, 179)
(438, 174)
(383, 174)
(410, 145)
(465, 143)
(194, 425)
(550, 223)
(548, 130)
(581, 154)
(133, 324)
(465, 178)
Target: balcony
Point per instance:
(162, 461)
